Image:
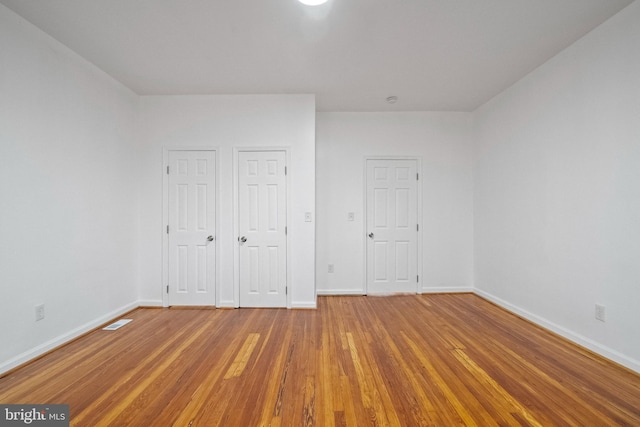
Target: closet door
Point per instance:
(262, 228)
(392, 226)
(191, 228)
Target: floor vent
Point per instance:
(120, 323)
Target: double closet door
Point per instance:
(262, 228)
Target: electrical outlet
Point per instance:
(39, 312)
(351, 216)
(600, 313)
(330, 268)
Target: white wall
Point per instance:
(442, 141)
(68, 214)
(557, 192)
(225, 122)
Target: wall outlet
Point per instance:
(600, 313)
(330, 269)
(39, 312)
(351, 216)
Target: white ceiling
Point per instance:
(439, 55)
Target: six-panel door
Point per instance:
(192, 222)
(392, 226)
(262, 228)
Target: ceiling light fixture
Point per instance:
(312, 2)
(392, 99)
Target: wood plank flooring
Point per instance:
(420, 360)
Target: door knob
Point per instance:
(371, 235)
(242, 239)
(210, 238)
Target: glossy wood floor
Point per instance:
(439, 360)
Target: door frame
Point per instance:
(236, 216)
(165, 217)
(418, 161)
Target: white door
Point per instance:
(191, 229)
(262, 228)
(392, 226)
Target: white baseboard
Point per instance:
(150, 303)
(583, 341)
(64, 338)
(304, 304)
(339, 292)
(294, 304)
(227, 304)
(446, 290)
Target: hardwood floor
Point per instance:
(440, 360)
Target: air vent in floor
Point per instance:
(120, 323)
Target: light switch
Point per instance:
(351, 216)
(307, 216)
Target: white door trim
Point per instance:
(418, 161)
(165, 217)
(236, 225)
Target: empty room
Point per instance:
(329, 213)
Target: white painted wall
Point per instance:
(557, 192)
(443, 142)
(68, 213)
(226, 122)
